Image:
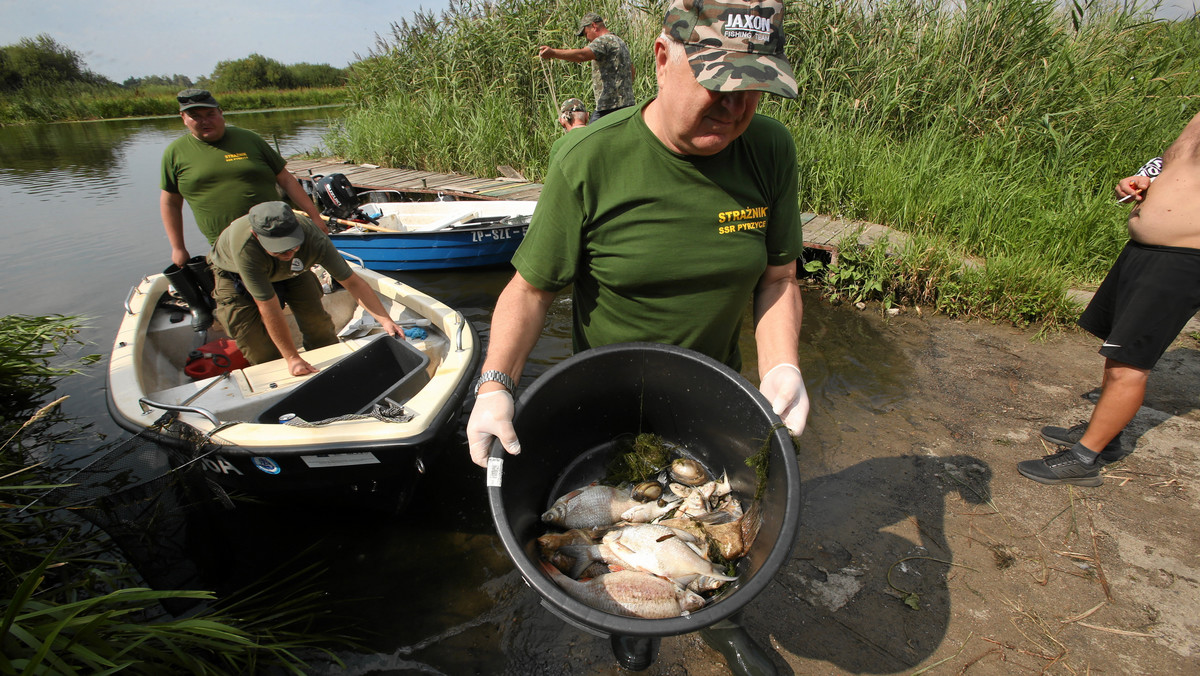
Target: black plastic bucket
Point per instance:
(567, 422)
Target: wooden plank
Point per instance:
(509, 172)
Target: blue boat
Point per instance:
(406, 236)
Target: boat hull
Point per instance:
(411, 251)
(411, 236)
(392, 404)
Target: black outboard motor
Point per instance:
(338, 201)
(336, 196)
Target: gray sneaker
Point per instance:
(1069, 436)
(1061, 468)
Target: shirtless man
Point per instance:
(1150, 293)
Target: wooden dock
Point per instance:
(372, 177)
(824, 233)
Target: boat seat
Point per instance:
(274, 376)
(386, 368)
(430, 222)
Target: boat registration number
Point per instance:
(496, 235)
(340, 459)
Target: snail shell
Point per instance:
(688, 472)
(647, 491)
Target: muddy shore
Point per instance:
(922, 550)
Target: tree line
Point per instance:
(41, 61)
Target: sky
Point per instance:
(134, 38)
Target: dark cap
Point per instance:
(587, 20)
(195, 98)
(276, 226)
(733, 45)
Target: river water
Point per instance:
(81, 202)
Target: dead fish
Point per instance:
(629, 593)
(550, 548)
(688, 472)
(695, 499)
(647, 512)
(589, 507)
(732, 531)
(666, 552)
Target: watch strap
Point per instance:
(494, 376)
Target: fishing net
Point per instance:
(155, 501)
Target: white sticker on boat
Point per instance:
(495, 472)
(340, 459)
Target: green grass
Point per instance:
(89, 102)
(995, 132)
(69, 605)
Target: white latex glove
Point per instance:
(783, 386)
(491, 418)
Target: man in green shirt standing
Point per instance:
(263, 258)
(221, 172)
(667, 219)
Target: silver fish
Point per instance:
(589, 507)
(596, 506)
(666, 552)
(629, 593)
(695, 499)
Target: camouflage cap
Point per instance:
(587, 20)
(733, 45)
(571, 106)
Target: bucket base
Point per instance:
(635, 653)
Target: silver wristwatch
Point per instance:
(498, 377)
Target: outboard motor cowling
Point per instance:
(336, 197)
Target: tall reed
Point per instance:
(996, 128)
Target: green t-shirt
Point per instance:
(662, 247)
(237, 251)
(221, 180)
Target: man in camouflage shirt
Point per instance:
(612, 72)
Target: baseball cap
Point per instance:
(571, 106)
(276, 226)
(733, 45)
(195, 98)
(587, 20)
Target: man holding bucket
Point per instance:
(667, 218)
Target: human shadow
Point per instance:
(866, 585)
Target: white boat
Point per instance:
(374, 411)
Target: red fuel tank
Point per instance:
(215, 358)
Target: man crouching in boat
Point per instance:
(261, 261)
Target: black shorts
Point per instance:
(1148, 296)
